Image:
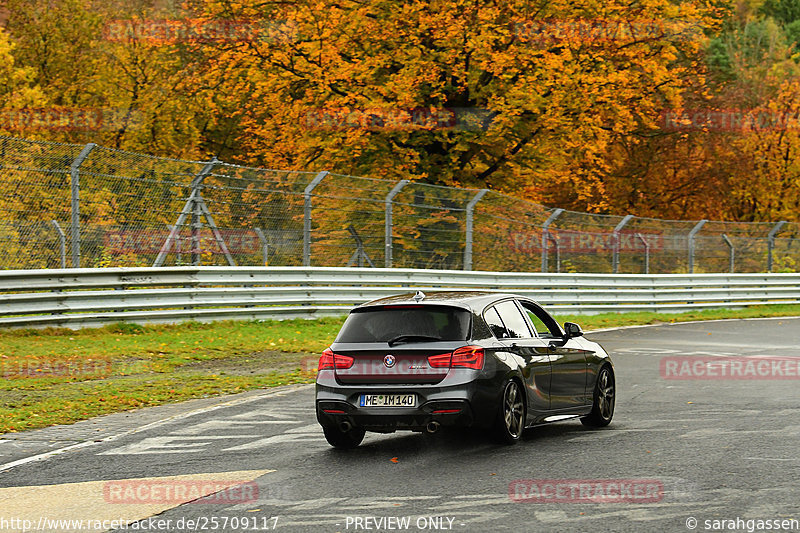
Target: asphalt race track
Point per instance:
(679, 453)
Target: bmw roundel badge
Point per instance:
(389, 361)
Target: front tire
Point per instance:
(344, 440)
(511, 418)
(605, 393)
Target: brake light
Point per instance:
(464, 357)
(330, 360)
(468, 357)
(441, 360)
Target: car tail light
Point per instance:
(468, 357)
(464, 357)
(329, 360)
(441, 360)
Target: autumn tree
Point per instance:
(129, 64)
(536, 94)
(755, 69)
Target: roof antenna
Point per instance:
(419, 296)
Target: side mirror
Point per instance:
(572, 330)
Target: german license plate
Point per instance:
(388, 400)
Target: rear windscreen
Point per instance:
(382, 324)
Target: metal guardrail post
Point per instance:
(388, 223)
(771, 243)
(692, 233)
(731, 253)
(62, 238)
(615, 253)
(75, 230)
(264, 245)
(646, 252)
(545, 233)
(307, 216)
(468, 244)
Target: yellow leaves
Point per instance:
(17, 89)
(560, 86)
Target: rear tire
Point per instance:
(343, 440)
(605, 393)
(511, 416)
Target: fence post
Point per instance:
(75, 230)
(307, 216)
(615, 253)
(359, 255)
(264, 245)
(196, 224)
(731, 252)
(62, 238)
(545, 233)
(771, 242)
(388, 223)
(692, 233)
(468, 244)
(554, 240)
(646, 253)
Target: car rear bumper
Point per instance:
(463, 404)
(387, 419)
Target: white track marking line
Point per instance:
(157, 423)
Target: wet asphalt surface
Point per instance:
(716, 449)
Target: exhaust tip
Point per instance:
(432, 427)
(345, 426)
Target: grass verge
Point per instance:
(60, 376)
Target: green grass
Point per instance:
(59, 376)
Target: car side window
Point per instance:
(495, 324)
(515, 323)
(544, 324)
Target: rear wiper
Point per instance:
(410, 338)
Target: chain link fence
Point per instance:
(88, 206)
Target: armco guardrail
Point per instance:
(91, 297)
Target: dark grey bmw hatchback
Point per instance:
(475, 359)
